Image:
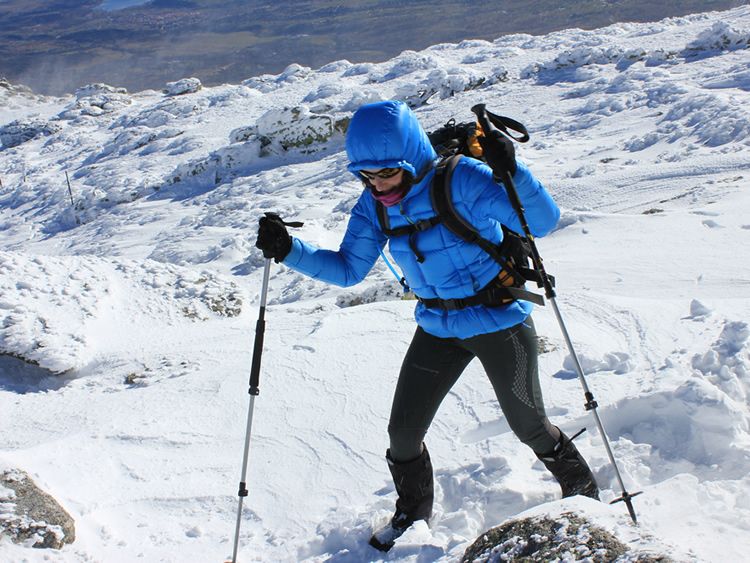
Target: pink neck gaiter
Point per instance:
(389, 198)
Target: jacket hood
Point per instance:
(388, 135)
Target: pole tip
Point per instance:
(627, 498)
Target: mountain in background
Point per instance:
(56, 46)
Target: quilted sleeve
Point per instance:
(358, 252)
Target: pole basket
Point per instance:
(627, 499)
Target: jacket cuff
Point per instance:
(295, 253)
(523, 179)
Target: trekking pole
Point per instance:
(260, 328)
(72, 203)
(254, 391)
(591, 404)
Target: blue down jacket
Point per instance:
(387, 134)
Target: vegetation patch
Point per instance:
(541, 539)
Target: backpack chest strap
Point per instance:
(409, 230)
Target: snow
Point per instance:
(128, 304)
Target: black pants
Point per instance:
(433, 365)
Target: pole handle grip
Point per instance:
(294, 224)
(260, 328)
(500, 123)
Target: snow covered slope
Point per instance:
(128, 302)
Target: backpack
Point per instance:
(452, 142)
(461, 138)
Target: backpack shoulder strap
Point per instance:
(382, 213)
(385, 223)
(409, 230)
(442, 203)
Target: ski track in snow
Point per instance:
(124, 357)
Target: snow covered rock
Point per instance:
(323, 91)
(94, 100)
(4, 83)
(446, 83)
(224, 164)
(14, 96)
(276, 131)
(97, 89)
(297, 127)
(19, 131)
(184, 86)
(721, 36)
(359, 98)
(8, 88)
(382, 292)
(294, 73)
(406, 63)
(268, 83)
(30, 516)
(538, 539)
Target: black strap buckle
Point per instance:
(453, 304)
(495, 296)
(421, 226)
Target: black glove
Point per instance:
(499, 153)
(273, 238)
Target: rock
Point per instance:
(360, 98)
(721, 36)
(19, 131)
(30, 516)
(95, 100)
(382, 292)
(17, 89)
(277, 131)
(323, 91)
(294, 73)
(184, 86)
(297, 127)
(570, 537)
(98, 89)
(242, 134)
(221, 165)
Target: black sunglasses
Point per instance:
(383, 174)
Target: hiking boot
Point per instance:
(570, 469)
(414, 485)
(385, 538)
